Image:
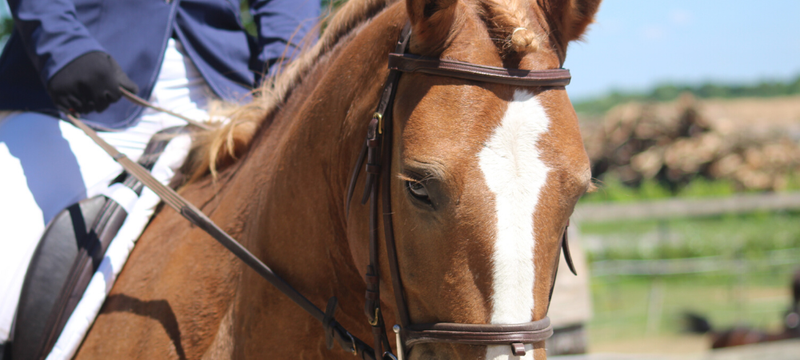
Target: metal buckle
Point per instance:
(379, 116)
(375, 321)
(354, 350)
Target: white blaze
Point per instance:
(514, 172)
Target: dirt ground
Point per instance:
(779, 350)
(666, 344)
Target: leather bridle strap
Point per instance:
(380, 125)
(379, 135)
(479, 334)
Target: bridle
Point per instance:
(378, 155)
(378, 152)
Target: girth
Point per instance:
(378, 152)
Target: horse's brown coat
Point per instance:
(182, 295)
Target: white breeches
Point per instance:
(47, 164)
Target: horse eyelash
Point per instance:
(405, 177)
(410, 178)
(414, 177)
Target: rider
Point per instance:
(75, 55)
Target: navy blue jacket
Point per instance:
(49, 34)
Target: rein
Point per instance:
(378, 155)
(142, 102)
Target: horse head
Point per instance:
(484, 176)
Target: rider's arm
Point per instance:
(52, 34)
(78, 73)
(282, 27)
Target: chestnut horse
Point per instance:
(484, 179)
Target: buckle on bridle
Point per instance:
(378, 116)
(374, 321)
(354, 349)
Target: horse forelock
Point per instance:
(510, 26)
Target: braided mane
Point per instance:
(508, 22)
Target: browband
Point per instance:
(483, 73)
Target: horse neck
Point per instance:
(298, 169)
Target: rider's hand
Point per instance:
(89, 83)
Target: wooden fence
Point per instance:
(674, 208)
(694, 265)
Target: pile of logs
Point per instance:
(677, 141)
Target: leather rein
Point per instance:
(378, 155)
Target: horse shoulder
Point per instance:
(172, 299)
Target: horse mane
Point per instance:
(219, 147)
(212, 150)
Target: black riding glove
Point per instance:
(89, 83)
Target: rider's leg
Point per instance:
(49, 164)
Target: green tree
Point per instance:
(6, 26)
(669, 92)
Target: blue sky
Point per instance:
(637, 44)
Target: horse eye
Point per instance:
(418, 190)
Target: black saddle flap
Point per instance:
(70, 251)
(66, 237)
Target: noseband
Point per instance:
(378, 152)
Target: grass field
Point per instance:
(644, 313)
(629, 308)
(636, 313)
(747, 236)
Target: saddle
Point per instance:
(67, 256)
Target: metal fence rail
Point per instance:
(693, 265)
(673, 208)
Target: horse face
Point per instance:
(486, 176)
